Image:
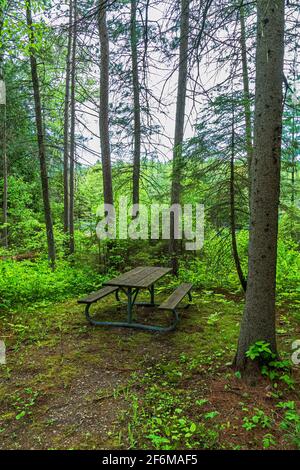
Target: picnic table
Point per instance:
(131, 283)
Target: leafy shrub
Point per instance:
(30, 282)
(214, 266)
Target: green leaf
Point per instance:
(193, 427)
(20, 415)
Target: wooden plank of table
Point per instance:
(152, 277)
(176, 297)
(99, 294)
(132, 276)
(143, 276)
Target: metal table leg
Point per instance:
(151, 289)
(129, 305)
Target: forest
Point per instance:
(149, 149)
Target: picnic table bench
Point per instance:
(131, 283)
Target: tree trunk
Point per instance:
(72, 135)
(137, 108)
(258, 321)
(67, 122)
(179, 126)
(5, 180)
(3, 139)
(247, 107)
(40, 137)
(294, 157)
(104, 104)
(233, 211)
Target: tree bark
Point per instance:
(67, 122)
(40, 137)
(72, 132)
(294, 157)
(235, 252)
(104, 104)
(258, 321)
(247, 106)
(5, 181)
(179, 126)
(137, 108)
(3, 141)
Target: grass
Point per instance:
(67, 385)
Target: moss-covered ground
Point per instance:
(68, 385)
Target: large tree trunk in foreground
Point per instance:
(104, 104)
(66, 123)
(72, 133)
(179, 127)
(41, 138)
(137, 108)
(258, 321)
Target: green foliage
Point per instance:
(260, 350)
(290, 422)
(28, 283)
(268, 440)
(170, 428)
(162, 419)
(23, 403)
(288, 268)
(275, 370)
(259, 418)
(214, 266)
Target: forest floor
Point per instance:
(68, 385)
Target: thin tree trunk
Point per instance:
(67, 122)
(104, 104)
(5, 181)
(3, 140)
(72, 135)
(179, 126)
(294, 162)
(41, 137)
(258, 321)
(233, 212)
(246, 100)
(137, 108)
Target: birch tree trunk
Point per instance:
(179, 126)
(258, 321)
(104, 104)
(40, 137)
(137, 108)
(67, 123)
(72, 131)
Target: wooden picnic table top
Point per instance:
(143, 277)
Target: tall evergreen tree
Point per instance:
(136, 106)
(67, 122)
(258, 321)
(40, 135)
(104, 104)
(179, 124)
(3, 131)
